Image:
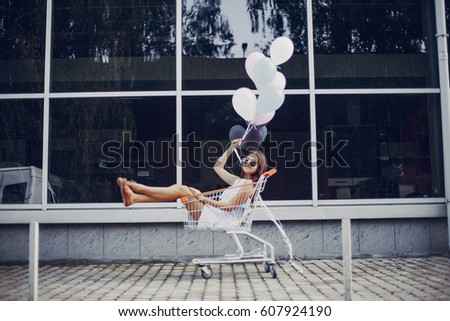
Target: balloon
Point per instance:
(251, 61)
(279, 80)
(244, 103)
(261, 119)
(281, 50)
(264, 72)
(270, 99)
(252, 139)
(237, 131)
(264, 131)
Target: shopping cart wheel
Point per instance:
(266, 267)
(206, 271)
(273, 270)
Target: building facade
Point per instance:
(93, 90)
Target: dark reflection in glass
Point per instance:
(376, 44)
(20, 151)
(219, 35)
(95, 140)
(206, 125)
(379, 146)
(114, 45)
(22, 43)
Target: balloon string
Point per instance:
(237, 154)
(247, 130)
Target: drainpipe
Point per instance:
(441, 35)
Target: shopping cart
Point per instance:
(234, 220)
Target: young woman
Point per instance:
(231, 201)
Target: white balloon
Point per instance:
(251, 61)
(279, 80)
(264, 72)
(244, 103)
(281, 50)
(270, 99)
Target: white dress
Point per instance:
(213, 217)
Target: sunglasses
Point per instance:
(249, 161)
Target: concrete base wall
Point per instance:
(171, 242)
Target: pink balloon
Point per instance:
(263, 118)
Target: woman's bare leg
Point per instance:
(162, 194)
(138, 193)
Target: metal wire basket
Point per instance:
(224, 209)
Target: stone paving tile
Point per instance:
(373, 279)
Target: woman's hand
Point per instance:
(197, 194)
(236, 143)
(219, 167)
(195, 191)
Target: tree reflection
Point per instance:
(114, 28)
(276, 18)
(22, 31)
(102, 30)
(343, 26)
(206, 32)
(112, 45)
(339, 26)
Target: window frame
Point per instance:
(295, 209)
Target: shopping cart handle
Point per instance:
(270, 172)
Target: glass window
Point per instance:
(379, 146)
(218, 35)
(14, 193)
(207, 122)
(21, 133)
(377, 44)
(22, 43)
(20, 150)
(114, 45)
(93, 141)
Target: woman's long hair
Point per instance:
(262, 164)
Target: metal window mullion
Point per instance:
(46, 113)
(444, 83)
(179, 73)
(312, 102)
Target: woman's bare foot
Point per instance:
(130, 184)
(125, 191)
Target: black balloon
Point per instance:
(253, 139)
(263, 130)
(236, 132)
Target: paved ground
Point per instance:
(373, 279)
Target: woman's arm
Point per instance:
(219, 167)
